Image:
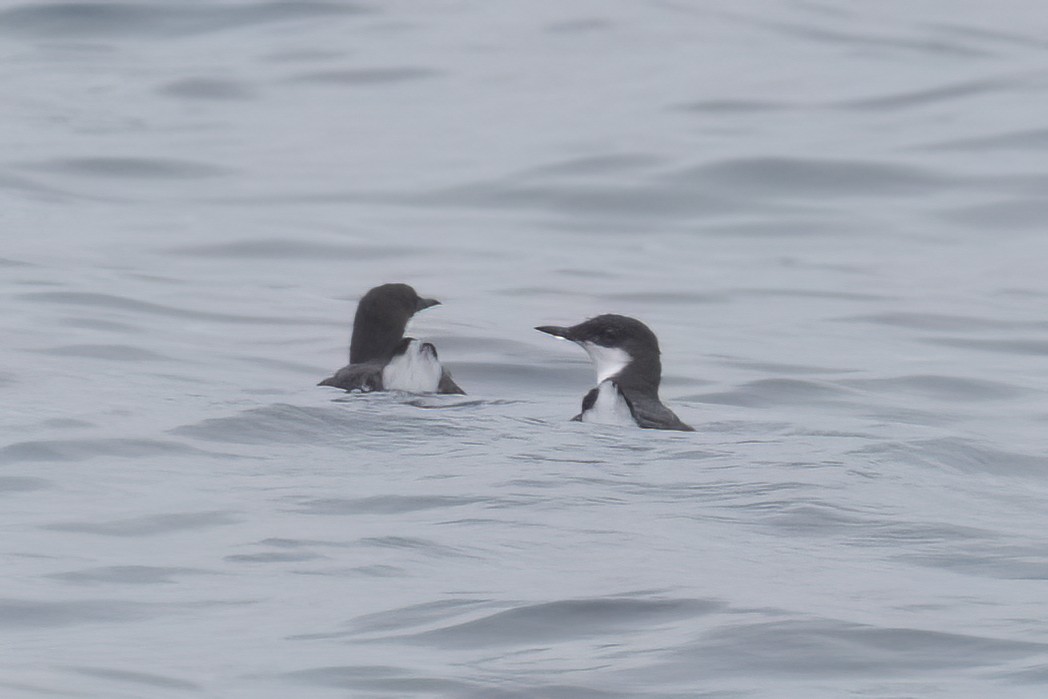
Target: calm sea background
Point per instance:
(833, 214)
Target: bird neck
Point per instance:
(375, 336)
(642, 374)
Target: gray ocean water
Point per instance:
(833, 215)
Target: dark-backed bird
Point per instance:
(625, 353)
(381, 358)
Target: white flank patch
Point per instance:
(610, 407)
(413, 371)
(608, 361)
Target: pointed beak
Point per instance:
(426, 303)
(556, 331)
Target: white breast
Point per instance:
(608, 361)
(610, 407)
(416, 370)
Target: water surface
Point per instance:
(832, 217)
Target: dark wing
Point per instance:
(651, 414)
(448, 385)
(357, 377)
(587, 403)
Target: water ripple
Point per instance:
(768, 392)
(943, 388)
(935, 95)
(278, 423)
(365, 76)
(904, 45)
(207, 89)
(1021, 213)
(128, 168)
(16, 613)
(23, 484)
(962, 455)
(122, 303)
(127, 575)
(283, 249)
(115, 353)
(1024, 140)
(149, 525)
(563, 620)
(1034, 347)
(114, 19)
(383, 679)
(136, 678)
(383, 504)
(935, 322)
(810, 177)
(82, 449)
(826, 648)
